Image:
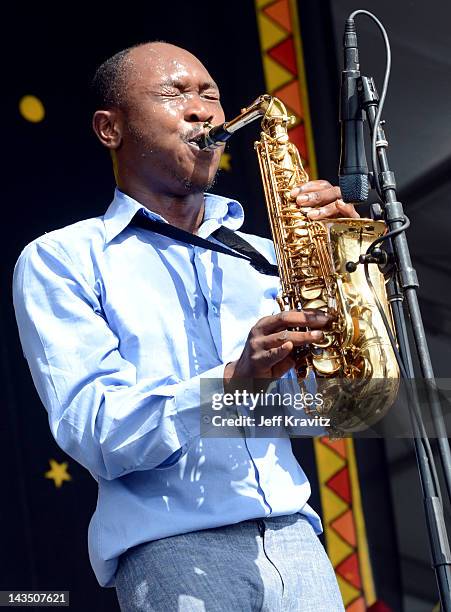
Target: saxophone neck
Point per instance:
(250, 113)
(275, 119)
(270, 108)
(275, 122)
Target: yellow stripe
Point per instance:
(262, 3)
(304, 91)
(271, 34)
(348, 592)
(338, 549)
(362, 542)
(331, 461)
(275, 75)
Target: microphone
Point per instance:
(353, 170)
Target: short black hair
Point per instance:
(109, 84)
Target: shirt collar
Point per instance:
(218, 211)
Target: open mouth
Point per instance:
(194, 143)
(194, 140)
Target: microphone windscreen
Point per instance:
(354, 187)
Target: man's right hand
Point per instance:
(267, 352)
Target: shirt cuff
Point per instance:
(192, 400)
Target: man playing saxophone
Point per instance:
(119, 325)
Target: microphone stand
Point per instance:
(403, 287)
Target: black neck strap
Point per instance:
(241, 248)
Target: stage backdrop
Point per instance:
(56, 173)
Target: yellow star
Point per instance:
(58, 472)
(224, 162)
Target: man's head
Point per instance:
(152, 100)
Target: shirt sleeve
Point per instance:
(99, 412)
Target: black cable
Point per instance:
(369, 250)
(389, 235)
(383, 94)
(417, 417)
(418, 420)
(368, 253)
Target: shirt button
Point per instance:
(214, 309)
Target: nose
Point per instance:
(198, 110)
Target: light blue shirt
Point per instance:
(118, 326)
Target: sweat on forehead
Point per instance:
(161, 60)
(117, 73)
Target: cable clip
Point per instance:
(376, 256)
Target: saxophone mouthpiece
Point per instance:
(214, 137)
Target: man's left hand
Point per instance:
(322, 201)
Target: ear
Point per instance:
(107, 124)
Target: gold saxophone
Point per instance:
(355, 367)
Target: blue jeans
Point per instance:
(273, 565)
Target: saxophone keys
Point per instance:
(300, 232)
(327, 363)
(328, 340)
(317, 304)
(312, 293)
(281, 303)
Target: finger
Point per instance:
(329, 211)
(347, 210)
(318, 197)
(313, 318)
(310, 186)
(333, 211)
(297, 338)
(268, 359)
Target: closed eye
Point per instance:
(170, 91)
